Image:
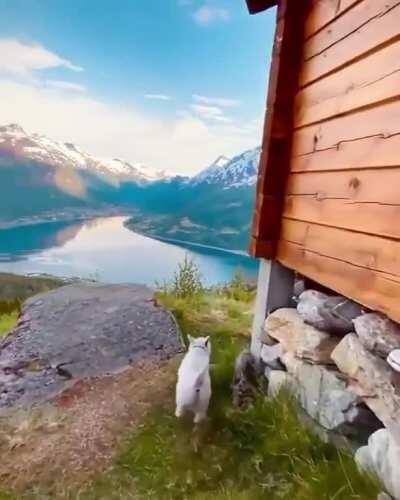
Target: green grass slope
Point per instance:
(261, 452)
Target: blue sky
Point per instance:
(169, 83)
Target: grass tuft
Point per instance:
(7, 322)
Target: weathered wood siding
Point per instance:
(340, 218)
(341, 215)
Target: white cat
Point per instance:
(193, 389)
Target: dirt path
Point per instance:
(75, 437)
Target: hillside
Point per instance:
(60, 181)
(116, 437)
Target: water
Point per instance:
(105, 250)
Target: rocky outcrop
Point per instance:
(377, 333)
(305, 341)
(79, 331)
(371, 378)
(382, 457)
(323, 393)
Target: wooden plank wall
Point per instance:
(341, 210)
(278, 128)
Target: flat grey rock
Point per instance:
(377, 333)
(333, 314)
(324, 395)
(371, 378)
(78, 331)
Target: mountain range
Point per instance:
(45, 179)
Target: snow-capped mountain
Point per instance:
(14, 141)
(58, 180)
(231, 173)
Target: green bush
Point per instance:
(186, 282)
(238, 288)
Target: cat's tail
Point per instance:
(199, 380)
(188, 391)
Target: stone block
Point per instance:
(305, 341)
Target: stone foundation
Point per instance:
(342, 380)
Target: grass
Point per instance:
(264, 451)
(7, 322)
(261, 452)
(15, 286)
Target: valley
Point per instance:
(44, 180)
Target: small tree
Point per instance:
(187, 279)
(238, 288)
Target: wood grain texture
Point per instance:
(276, 144)
(360, 284)
(377, 151)
(370, 218)
(380, 121)
(355, 19)
(367, 82)
(323, 12)
(375, 32)
(363, 250)
(368, 186)
(365, 201)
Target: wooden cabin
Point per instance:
(328, 192)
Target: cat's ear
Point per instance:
(190, 339)
(206, 342)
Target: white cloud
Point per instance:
(22, 59)
(62, 85)
(183, 144)
(210, 113)
(216, 101)
(207, 15)
(158, 97)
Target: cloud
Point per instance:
(22, 59)
(158, 97)
(216, 101)
(184, 144)
(210, 113)
(62, 85)
(206, 15)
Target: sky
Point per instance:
(172, 84)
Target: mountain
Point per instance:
(44, 179)
(15, 142)
(239, 171)
(214, 207)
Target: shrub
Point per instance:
(186, 282)
(238, 288)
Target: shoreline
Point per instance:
(66, 217)
(183, 243)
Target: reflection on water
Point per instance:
(105, 249)
(17, 242)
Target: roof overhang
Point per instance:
(256, 6)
